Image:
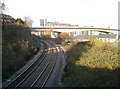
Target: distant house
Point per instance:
(103, 37)
(44, 22)
(108, 37)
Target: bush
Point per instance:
(92, 65)
(64, 36)
(18, 45)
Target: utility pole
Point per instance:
(0, 44)
(2, 9)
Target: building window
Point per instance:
(82, 32)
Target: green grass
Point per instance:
(92, 64)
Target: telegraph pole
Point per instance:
(1, 44)
(2, 9)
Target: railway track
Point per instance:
(37, 74)
(45, 74)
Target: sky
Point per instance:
(97, 13)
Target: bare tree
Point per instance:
(28, 21)
(3, 8)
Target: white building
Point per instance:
(103, 37)
(45, 23)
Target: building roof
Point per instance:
(83, 36)
(97, 36)
(107, 36)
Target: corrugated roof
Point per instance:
(84, 36)
(107, 36)
(97, 36)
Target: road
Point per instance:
(45, 70)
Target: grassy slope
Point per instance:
(92, 65)
(18, 45)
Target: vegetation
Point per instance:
(19, 21)
(18, 46)
(64, 36)
(28, 21)
(92, 64)
(62, 39)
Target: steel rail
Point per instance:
(45, 74)
(40, 75)
(42, 69)
(57, 50)
(25, 71)
(30, 72)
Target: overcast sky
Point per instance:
(97, 13)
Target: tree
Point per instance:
(28, 21)
(19, 21)
(48, 32)
(64, 36)
(2, 7)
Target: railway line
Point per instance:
(42, 78)
(37, 74)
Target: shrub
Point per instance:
(92, 65)
(18, 44)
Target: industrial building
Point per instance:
(45, 23)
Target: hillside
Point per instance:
(18, 46)
(92, 64)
